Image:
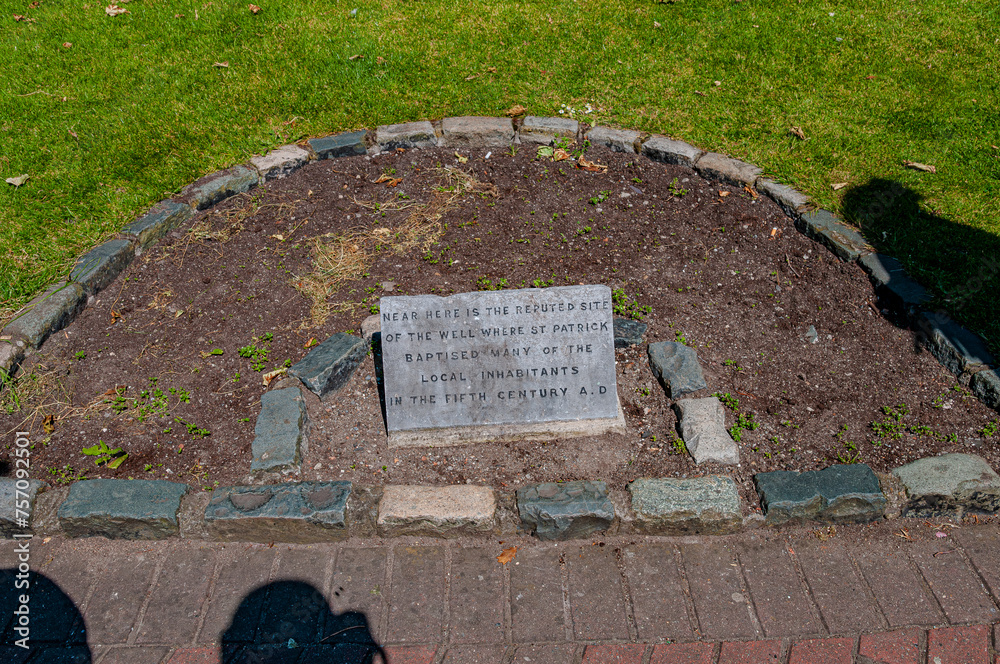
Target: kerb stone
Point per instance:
(328, 366)
(10, 357)
(619, 140)
(847, 493)
(828, 230)
(984, 384)
(893, 286)
(628, 332)
(949, 485)
(476, 132)
(677, 368)
(702, 505)
(544, 131)
(669, 151)
(122, 509)
(278, 433)
(280, 162)
(791, 200)
(726, 169)
(160, 220)
(442, 511)
(211, 189)
(347, 144)
(565, 510)
(703, 428)
(407, 136)
(49, 312)
(9, 499)
(300, 512)
(100, 266)
(955, 347)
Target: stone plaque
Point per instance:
(499, 365)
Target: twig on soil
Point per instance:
(789, 262)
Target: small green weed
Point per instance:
(257, 351)
(676, 190)
(728, 400)
(625, 306)
(112, 458)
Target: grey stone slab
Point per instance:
(845, 493)
(669, 151)
(703, 428)
(114, 606)
(442, 511)
(986, 386)
(949, 485)
(956, 586)
(17, 502)
(565, 510)
(791, 200)
(721, 606)
(955, 347)
(892, 285)
(476, 132)
(122, 509)
(836, 587)
(476, 597)
(10, 358)
(328, 366)
(160, 220)
(701, 505)
(677, 368)
(596, 598)
(536, 596)
(628, 332)
(416, 606)
(619, 140)
(100, 266)
(177, 600)
(406, 136)
(657, 592)
(280, 162)
(279, 430)
(347, 144)
(717, 166)
(209, 190)
(544, 131)
(779, 597)
(499, 365)
(49, 312)
(832, 233)
(299, 512)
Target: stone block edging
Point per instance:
(956, 348)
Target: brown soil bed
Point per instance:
(720, 268)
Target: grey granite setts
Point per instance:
(279, 430)
(100, 266)
(669, 151)
(545, 131)
(949, 485)
(476, 132)
(703, 428)
(791, 200)
(846, 493)
(328, 366)
(628, 332)
(49, 312)
(828, 230)
(986, 386)
(406, 135)
(280, 162)
(299, 512)
(565, 510)
(958, 349)
(219, 186)
(677, 368)
(436, 511)
(122, 509)
(892, 285)
(347, 144)
(13, 499)
(10, 357)
(703, 505)
(160, 220)
(726, 169)
(619, 140)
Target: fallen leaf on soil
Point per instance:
(515, 110)
(279, 237)
(588, 165)
(940, 534)
(904, 533)
(254, 9)
(114, 10)
(312, 342)
(749, 190)
(723, 194)
(49, 423)
(271, 375)
(19, 180)
(388, 180)
(67, 44)
(115, 317)
(920, 167)
(837, 186)
(797, 132)
(356, 57)
(559, 155)
(180, 450)
(507, 555)
(461, 159)
(18, 17)
(220, 64)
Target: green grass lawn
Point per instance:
(137, 107)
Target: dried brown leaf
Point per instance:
(559, 155)
(114, 10)
(917, 166)
(593, 167)
(507, 555)
(271, 375)
(49, 423)
(515, 110)
(837, 186)
(221, 64)
(798, 133)
(254, 9)
(19, 180)
(359, 56)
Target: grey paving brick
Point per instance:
(544, 131)
(242, 569)
(956, 586)
(536, 596)
(215, 187)
(831, 232)
(669, 151)
(114, 607)
(657, 593)
(619, 140)
(160, 220)
(358, 584)
(416, 605)
(70, 569)
(346, 144)
(899, 589)
(407, 135)
(122, 509)
(476, 597)
(565, 510)
(565, 653)
(720, 603)
(782, 602)
(296, 604)
(982, 544)
(596, 599)
(476, 132)
(101, 265)
(299, 512)
(715, 166)
(280, 162)
(136, 655)
(791, 200)
(474, 654)
(836, 587)
(178, 598)
(329, 365)
(49, 312)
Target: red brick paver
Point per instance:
(624, 654)
(409, 654)
(195, 656)
(683, 653)
(750, 652)
(822, 651)
(899, 647)
(958, 645)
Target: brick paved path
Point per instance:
(788, 598)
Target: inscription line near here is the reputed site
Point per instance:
(530, 363)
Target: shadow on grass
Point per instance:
(958, 264)
(47, 627)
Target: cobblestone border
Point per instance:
(551, 511)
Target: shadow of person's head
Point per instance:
(288, 622)
(40, 621)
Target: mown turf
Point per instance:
(137, 107)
